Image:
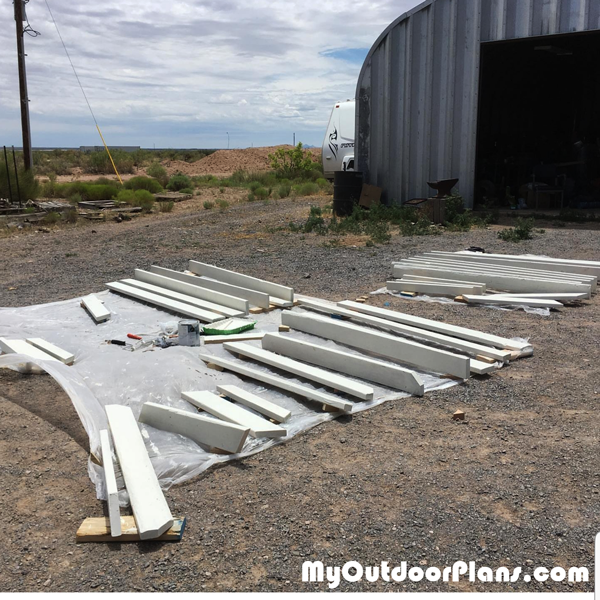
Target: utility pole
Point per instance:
(20, 18)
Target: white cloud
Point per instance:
(181, 74)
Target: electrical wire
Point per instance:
(82, 90)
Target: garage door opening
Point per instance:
(538, 137)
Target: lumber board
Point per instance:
(280, 302)
(255, 402)
(254, 298)
(434, 289)
(65, 357)
(333, 380)
(202, 430)
(164, 302)
(97, 529)
(189, 289)
(503, 300)
(227, 411)
(112, 491)
(471, 348)
(440, 280)
(370, 369)
(267, 287)
(280, 382)
(560, 297)
(150, 509)
(233, 337)
(96, 308)
(509, 283)
(446, 328)
(22, 347)
(383, 344)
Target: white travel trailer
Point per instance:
(338, 146)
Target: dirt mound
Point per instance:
(226, 162)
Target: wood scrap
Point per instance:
(97, 529)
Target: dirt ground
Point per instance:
(516, 484)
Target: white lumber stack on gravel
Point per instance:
(202, 430)
(386, 374)
(232, 337)
(189, 289)
(558, 296)
(150, 509)
(204, 304)
(384, 344)
(112, 491)
(470, 348)
(279, 382)
(503, 300)
(164, 302)
(221, 408)
(267, 287)
(254, 298)
(52, 350)
(432, 289)
(95, 308)
(333, 380)
(255, 402)
(451, 330)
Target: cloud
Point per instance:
(182, 74)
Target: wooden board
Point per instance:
(280, 382)
(189, 289)
(233, 413)
(112, 491)
(234, 337)
(253, 283)
(173, 305)
(327, 378)
(96, 308)
(383, 344)
(65, 357)
(515, 300)
(97, 529)
(254, 401)
(22, 347)
(202, 430)
(558, 296)
(440, 280)
(432, 289)
(254, 298)
(150, 509)
(363, 367)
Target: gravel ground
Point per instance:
(515, 485)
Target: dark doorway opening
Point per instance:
(538, 137)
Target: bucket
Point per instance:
(347, 187)
(188, 333)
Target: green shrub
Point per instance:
(143, 183)
(166, 206)
(521, 231)
(70, 216)
(251, 197)
(308, 189)
(142, 198)
(179, 182)
(293, 163)
(208, 205)
(158, 172)
(254, 185)
(51, 218)
(75, 198)
(99, 162)
(222, 204)
(189, 191)
(378, 231)
(28, 186)
(262, 193)
(284, 190)
(422, 226)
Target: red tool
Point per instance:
(133, 336)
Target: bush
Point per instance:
(51, 218)
(208, 205)
(307, 189)
(189, 191)
(143, 183)
(28, 186)
(99, 162)
(284, 190)
(158, 172)
(293, 163)
(521, 231)
(70, 216)
(222, 204)
(166, 206)
(142, 198)
(262, 193)
(179, 182)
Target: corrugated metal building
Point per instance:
(421, 89)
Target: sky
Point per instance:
(184, 74)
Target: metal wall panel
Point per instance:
(417, 93)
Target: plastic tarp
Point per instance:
(109, 374)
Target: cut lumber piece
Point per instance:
(267, 287)
(280, 382)
(363, 367)
(234, 337)
(98, 529)
(408, 276)
(533, 302)
(150, 509)
(450, 330)
(384, 344)
(164, 302)
(433, 289)
(255, 402)
(52, 350)
(200, 429)
(558, 296)
(95, 308)
(112, 491)
(22, 347)
(280, 302)
(333, 380)
(189, 289)
(219, 407)
(254, 298)
(479, 367)
(508, 283)
(468, 347)
(225, 311)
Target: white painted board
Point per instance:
(96, 308)
(254, 401)
(558, 296)
(52, 350)
(232, 337)
(150, 509)
(112, 491)
(22, 347)
(432, 289)
(533, 302)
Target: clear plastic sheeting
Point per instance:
(109, 374)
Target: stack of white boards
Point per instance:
(538, 282)
(218, 294)
(36, 348)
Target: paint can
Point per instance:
(189, 333)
